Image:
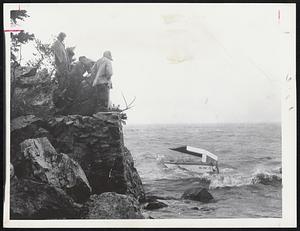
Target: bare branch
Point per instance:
(124, 99)
(132, 102)
(128, 106)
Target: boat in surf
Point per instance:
(208, 162)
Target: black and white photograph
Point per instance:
(150, 115)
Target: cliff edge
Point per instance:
(68, 166)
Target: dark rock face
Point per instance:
(111, 205)
(32, 94)
(58, 158)
(198, 194)
(22, 128)
(34, 200)
(155, 205)
(44, 164)
(96, 143)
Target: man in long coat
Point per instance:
(102, 70)
(61, 60)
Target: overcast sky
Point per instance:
(198, 63)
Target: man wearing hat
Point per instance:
(102, 70)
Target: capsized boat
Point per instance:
(207, 164)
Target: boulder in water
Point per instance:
(198, 194)
(267, 179)
(155, 205)
(34, 200)
(111, 205)
(44, 164)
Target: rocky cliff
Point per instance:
(68, 166)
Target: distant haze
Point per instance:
(199, 63)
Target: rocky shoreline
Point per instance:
(60, 164)
(72, 166)
(68, 166)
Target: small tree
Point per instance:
(18, 15)
(17, 39)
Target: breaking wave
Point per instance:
(262, 177)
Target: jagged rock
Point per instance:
(22, 128)
(32, 78)
(43, 163)
(111, 205)
(155, 205)
(97, 144)
(25, 127)
(23, 122)
(35, 200)
(32, 94)
(198, 194)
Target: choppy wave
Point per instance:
(264, 177)
(228, 176)
(249, 164)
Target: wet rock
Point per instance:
(96, 143)
(153, 198)
(198, 194)
(267, 179)
(111, 205)
(44, 164)
(155, 205)
(35, 200)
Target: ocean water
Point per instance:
(249, 159)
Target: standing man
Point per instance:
(61, 60)
(102, 70)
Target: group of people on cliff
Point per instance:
(70, 74)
